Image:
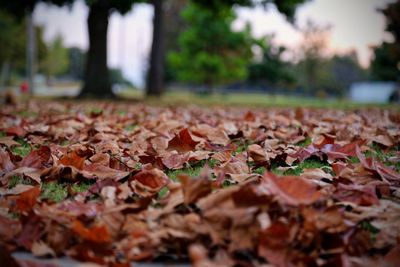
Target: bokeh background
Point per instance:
(247, 50)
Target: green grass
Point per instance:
(54, 191)
(57, 192)
(28, 114)
(64, 143)
(383, 156)
(130, 127)
(248, 99)
(16, 179)
(191, 171)
(81, 187)
(23, 149)
(310, 163)
(95, 111)
(260, 170)
(373, 231)
(163, 192)
(305, 142)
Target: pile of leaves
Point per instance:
(112, 183)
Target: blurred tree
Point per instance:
(13, 46)
(210, 52)
(9, 45)
(76, 58)
(155, 76)
(313, 47)
(345, 70)
(386, 63)
(271, 69)
(174, 25)
(97, 77)
(117, 77)
(56, 61)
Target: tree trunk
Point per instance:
(30, 51)
(155, 76)
(5, 74)
(97, 78)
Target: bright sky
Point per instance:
(355, 25)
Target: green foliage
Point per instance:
(386, 63)
(286, 7)
(210, 52)
(13, 43)
(56, 61)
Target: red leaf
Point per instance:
(249, 116)
(273, 244)
(182, 142)
(16, 130)
(392, 259)
(31, 232)
(27, 199)
(73, 159)
(37, 158)
(149, 181)
(96, 234)
(292, 190)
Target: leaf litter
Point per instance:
(213, 186)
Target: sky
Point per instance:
(355, 25)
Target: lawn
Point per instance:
(251, 100)
(238, 180)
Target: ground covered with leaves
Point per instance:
(113, 183)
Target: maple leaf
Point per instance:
(182, 142)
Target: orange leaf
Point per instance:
(73, 159)
(27, 199)
(96, 234)
(292, 190)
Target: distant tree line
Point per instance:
(96, 75)
(193, 42)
